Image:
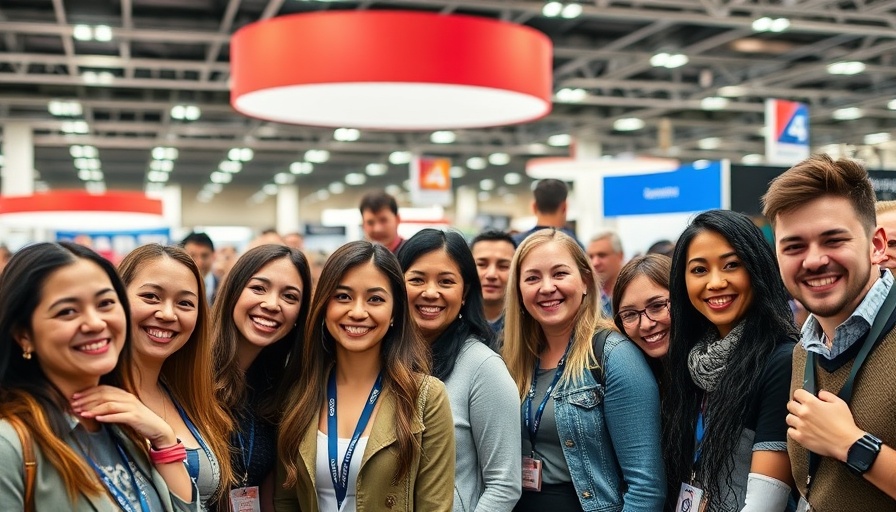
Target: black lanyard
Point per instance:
(810, 383)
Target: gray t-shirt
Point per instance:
(547, 445)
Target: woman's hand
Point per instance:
(108, 404)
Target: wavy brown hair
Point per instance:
(188, 374)
(403, 353)
(25, 391)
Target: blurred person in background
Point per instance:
(550, 208)
(200, 247)
(379, 218)
(493, 251)
(886, 219)
(605, 252)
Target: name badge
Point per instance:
(803, 505)
(690, 499)
(245, 499)
(531, 474)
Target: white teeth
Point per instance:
(550, 304)
(90, 347)
(821, 282)
(431, 310)
(357, 330)
(159, 333)
(264, 321)
(719, 301)
(653, 338)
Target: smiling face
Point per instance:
(717, 281)
(493, 265)
(380, 226)
(435, 292)
(826, 257)
(78, 328)
(551, 288)
(268, 306)
(650, 334)
(887, 221)
(359, 312)
(164, 298)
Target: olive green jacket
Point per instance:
(429, 484)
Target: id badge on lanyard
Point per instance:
(531, 474)
(690, 499)
(245, 499)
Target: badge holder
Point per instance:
(245, 499)
(531, 474)
(690, 499)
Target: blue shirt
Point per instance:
(850, 331)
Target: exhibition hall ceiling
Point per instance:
(679, 78)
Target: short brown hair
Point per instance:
(377, 200)
(818, 176)
(549, 195)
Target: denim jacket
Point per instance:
(611, 437)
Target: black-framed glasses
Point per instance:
(655, 311)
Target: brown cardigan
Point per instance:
(429, 484)
(873, 406)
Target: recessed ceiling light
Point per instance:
(713, 103)
(376, 169)
(355, 178)
(891, 105)
(220, 177)
(443, 137)
(65, 108)
(163, 153)
(82, 32)
(457, 171)
(95, 187)
(317, 156)
(766, 24)
(102, 33)
(161, 165)
(75, 127)
(476, 163)
(709, 143)
(284, 178)
(847, 114)
(230, 166)
(159, 176)
(399, 157)
(732, 91)
(346, 134)
(301, 167)
(83, 151)
(571, 11)
(552, 9)
(877, 138)
(487, 184)
(513, 178)
(669, 60)
(628, 124)
(185, 112)
(337, 187)
(567, 95)
(850, 67)
(560, 140)
(499, 158)
(752, 159)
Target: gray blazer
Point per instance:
(49, 489)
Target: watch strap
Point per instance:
(863, 453)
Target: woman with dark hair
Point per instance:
(259, 313)
(445, 300)
(172, 351)
(641, 307)
(590, 422)
(66, 382)
(730, 365)
(364, 429)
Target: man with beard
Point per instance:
(841, 423)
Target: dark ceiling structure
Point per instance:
(680, 78)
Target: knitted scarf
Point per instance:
(708, 359)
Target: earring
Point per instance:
(391, 322)
(26, 354)
(460, 315)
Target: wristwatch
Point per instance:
(862, 454)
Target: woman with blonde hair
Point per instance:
(365, 428)
(172, 352)
(67, 393)
(591, 423)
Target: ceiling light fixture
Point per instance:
(386, 79)
(713, 103)
(669, 60)
(487, 184)
(457, 172)
(891, 105)
(221, 177)
(65, 108)
(443, 137)
(766, 24)
(752, 159)
(241, 154)
(849, 67)
(161, 165)
(709, 143)
(560, 140)
(355, 178)
(476, 163)
(301, 167)
(567, 95)
(75, 127)
(552, 9)
(499, 158)
(571, 11)
(185, 112)
(847, 114)
(163, 153)
(284, 178)
(513, 178)
(230, 166)
(376, 169)
(628, 124)
(346, 134)
(337, 187)
(399, 157)
(317, 156)
(877, 138)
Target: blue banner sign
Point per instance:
(690, 188)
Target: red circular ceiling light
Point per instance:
(390, 70)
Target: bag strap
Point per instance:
(29, 462)
(597, 345)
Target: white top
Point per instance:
(326, 493)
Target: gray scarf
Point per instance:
(708, 359)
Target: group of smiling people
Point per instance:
(385, 388)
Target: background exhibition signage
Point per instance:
(787, 132)
(430, 181)
(690, 188)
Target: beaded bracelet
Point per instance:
(173, 453)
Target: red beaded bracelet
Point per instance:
(173, 453)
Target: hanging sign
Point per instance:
(787, 132)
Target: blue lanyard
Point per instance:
(192, 456)
(117, 492)
(532, 424)
(247, 459)
(340, 478)
(700, 432)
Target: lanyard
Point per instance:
(699, 434)
(120, 496)
(247, 459)
(810, 384)
(192, 456)
(340, 478)
(532, 424)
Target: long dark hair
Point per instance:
(402, 351)
(25, 391)
(471, 322)
(767, 323)
(266, 374)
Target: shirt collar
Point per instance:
(854, 327)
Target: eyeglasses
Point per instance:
(656, 311)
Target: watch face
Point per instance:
(862, 454)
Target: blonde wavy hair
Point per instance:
(524, 338)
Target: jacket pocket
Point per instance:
(586, 398)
